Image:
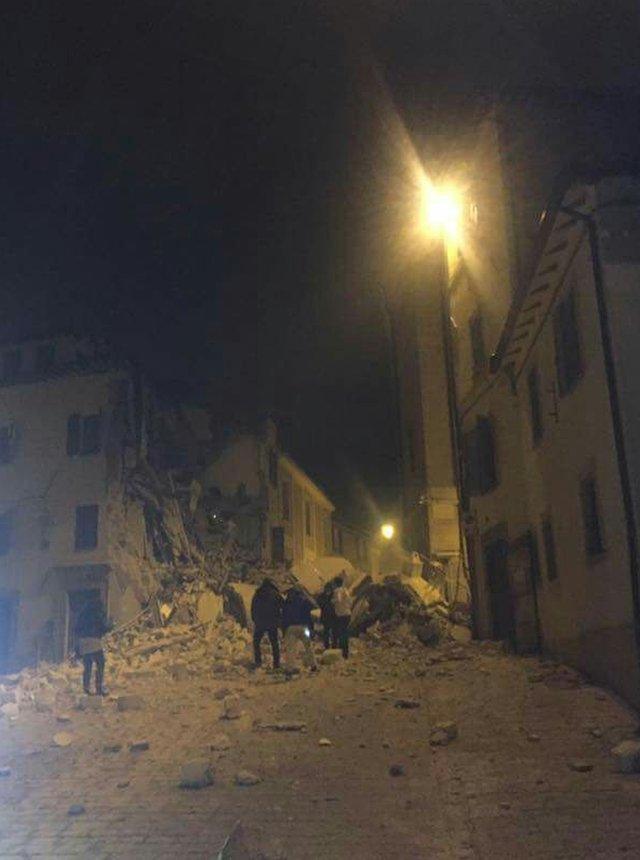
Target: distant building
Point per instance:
(358, 547)
(278, 510)
(71, 424)
(552, 441)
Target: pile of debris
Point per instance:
(410, 604)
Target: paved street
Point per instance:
(506, 787)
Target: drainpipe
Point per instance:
(616, 414)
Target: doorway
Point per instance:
(77, 600)
(495, 552)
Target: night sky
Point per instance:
(199, 181)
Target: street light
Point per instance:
(442, 210)
(387, 531)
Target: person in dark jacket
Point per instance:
(328, 616)
(266, 614)
(297, 623)
(91, 626)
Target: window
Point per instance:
(567, 340)
(307, 518)
(535, 405)
(286, 500)
(476, 336)
(86, 527)
(273, 468)
(83, 434)
(6, 529)
(45, 357)
(593, 538)
(11, 363)
(549, 543)
(480, 458)
(411, 450)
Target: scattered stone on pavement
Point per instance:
(407, 704)
(443, 733)
(246, 777)
(325, 742)
(396, 770)
(5, 772)
(139, 746)
(196, 774)
(626, 756)
(63, 739)
(76, 809)
(330, 656)
(284, 727)
(581, 766)
(231, 708)
(220, 742)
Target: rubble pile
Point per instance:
(402, 607)
(137, 653)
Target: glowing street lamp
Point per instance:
(387, 531)
(442, 210)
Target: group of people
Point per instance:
(294, 615)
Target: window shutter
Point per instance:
(73, 435)
(486, 454)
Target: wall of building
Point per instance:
(40, 488)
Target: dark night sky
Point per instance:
(196, 179)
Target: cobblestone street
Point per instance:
(528, 775)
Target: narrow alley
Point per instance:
(457, 751)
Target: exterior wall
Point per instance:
(584, 608)
(358, 547)
(247, 462)
(41, 487)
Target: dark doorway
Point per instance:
(496, 553)
(77, 602)
(7, 628)
(277, 545)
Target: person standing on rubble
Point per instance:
(91, 626)
(266, 614)
(342, 604)
(328, 615)
(297, 623)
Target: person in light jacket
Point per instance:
(342, 604)
(297, 623)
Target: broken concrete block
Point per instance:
(231, 708)
(10, 710)
(111, 748)
(63, 739)
(220, 742)
(325, 742)
(196, 774)
(330, 656)
(130, 703)
(581, 766)
(139, 746)
(407, 704)
(626, 757)
(245, 777)
(76, 809)
(283, 727)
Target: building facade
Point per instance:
(551, 442)
(278, 511)
(358, 547)
(71, 425)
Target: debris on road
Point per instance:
(139, 746)
(196, 774)
(626, 756)
(282, 727)
(325, 742)
(396, 770)
(443, 733)
(247, 778)
(62, 739)
(581, 766)
(76, 809)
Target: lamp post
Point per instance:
(442, 217)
